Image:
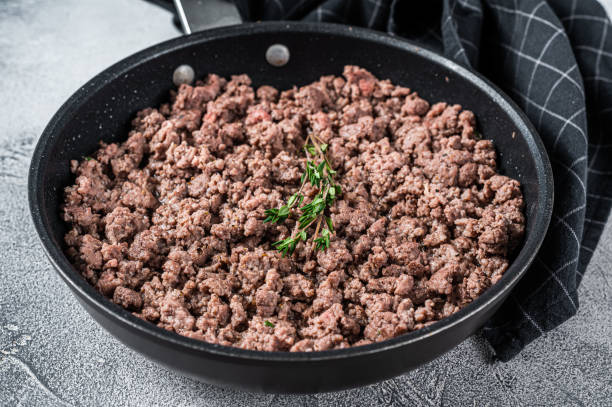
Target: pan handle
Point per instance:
(197, 15)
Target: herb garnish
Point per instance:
(320, 175)
(268, 324)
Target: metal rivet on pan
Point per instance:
(183, 74)
(277, 55)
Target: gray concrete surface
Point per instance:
(53, 353)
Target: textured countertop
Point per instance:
(53, 353)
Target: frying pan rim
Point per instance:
(86, 292)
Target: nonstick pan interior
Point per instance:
(103, 108)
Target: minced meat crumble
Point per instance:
(169, 224)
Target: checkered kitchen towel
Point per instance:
(554, 58)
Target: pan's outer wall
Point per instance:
(104, 107)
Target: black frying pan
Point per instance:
(103, 108)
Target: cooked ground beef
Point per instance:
(169, 223)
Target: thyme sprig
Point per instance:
(320, 174)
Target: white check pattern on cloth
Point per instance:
(554, 58)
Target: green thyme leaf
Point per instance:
(311, 149)
(322, 242)
(330, 225)
(271, 215)
(286, 246)
(283, 213)
(292, 200)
